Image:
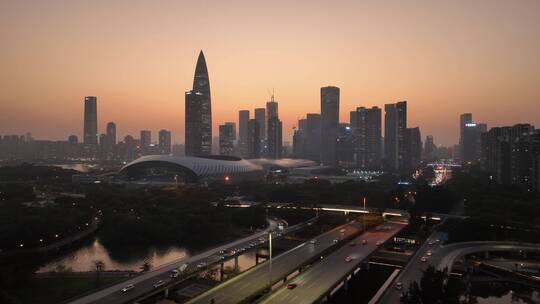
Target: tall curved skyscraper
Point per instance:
(199, 112)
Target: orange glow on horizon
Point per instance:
(138, 58)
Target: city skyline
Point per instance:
(484, 63)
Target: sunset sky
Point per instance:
(138, 58)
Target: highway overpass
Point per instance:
(144, 282)
(322, 278)
(257, 280)
(444, 257)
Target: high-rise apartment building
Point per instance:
(164, 142)
(226, 138)
(366, 126)
(146, 138)
(413, 148)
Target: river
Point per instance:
(82, 258)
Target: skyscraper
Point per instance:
(260, 116)
(90, 122)
(313, 136)
(464, 119)
(243, 118)
(109, 142)
(164, 142)
(199, 112)
(471, 142)
(329, 124)
(274, 130)
(395, 124)
(226, 138)
(429, 149)
(253, 140)
(111, 133)
(272, 108)
(275, 137)
(413, 148)
(366, 126)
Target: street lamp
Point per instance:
(270, 261)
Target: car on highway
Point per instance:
(183, 267)
(399, 285)
(379, 243)
(364, 242)
(335, 240)
(352, 244)
(430, 242)
(423, 259)
(313, 241)
(159, 284)
(429, 253)
(128, 288)
(342, 230)
(348, 259)
(174, 273)
(201, 265)
(291, 286)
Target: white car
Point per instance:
(201, 265)
(379, 243)
(399, 285)
(159, 284)
(313, 241)
(128, 288)
(423, 259)
(429, 253)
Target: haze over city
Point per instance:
(137, 57)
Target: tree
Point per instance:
(99, 266)
(437, 287)
(146, 266)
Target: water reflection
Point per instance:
(82, 259)
(129, 259)
(76, 166)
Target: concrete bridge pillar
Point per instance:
(235, 262)
(166, 292)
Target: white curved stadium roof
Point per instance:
(203, 167)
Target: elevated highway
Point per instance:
(321, 279)
(258, 279)
(144, 283)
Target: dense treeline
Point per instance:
(34, 224)
(152, 216)
(35, 173)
